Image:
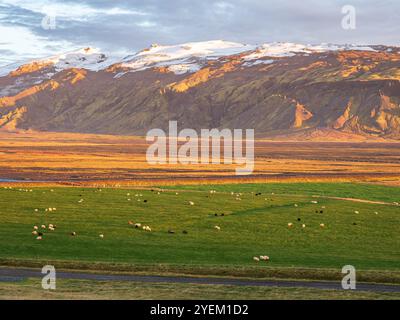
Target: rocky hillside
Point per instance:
(277, 89)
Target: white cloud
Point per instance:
(70, 11)
(25, 45)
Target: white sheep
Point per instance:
(101, 236)
(39, 238)
(303, 225)
(34, 233)
(43, 226)
(217, 228)
(256, 259)
(264, 258)
(35, 227)
(322, 225)
(191, 203)
(356, 212)
(290, 225)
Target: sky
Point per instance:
(31, 29)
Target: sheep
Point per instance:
(43, 226)
(54, 209)
(101, 236)
(356, 212)
(128, 194)
(130, 223)
(138, 225)
(191, 203)
(39, 238)
(314, 202)
(177, 193)
(36, 210)
(303, 225)
(73, 233)
(296, 205)
(256, 259)
(171, 231)
(376, 212)
(264, 258)
(217, 228)
(35, 227)
(51, 229)
(50, 209)
(322, 225)
(34, 233)
(290, 225)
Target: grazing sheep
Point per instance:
(356, 212)
(217, 228)
(376, 212)
(290, 225)
(35, 227)
(295, 205)
(51, 229)
(303, 225)
(34, 233)
(177, 193)
(39, 238)
(171, 231)
(54, 209)
(128, 194)
(264, 258)
(256, 259)
(36, 210)
(322, 225)
(315, 202)
(43, 226)
(101, 236)
(191, 203)
(73, 233)
(138, 225)
(130, 223)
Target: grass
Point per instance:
(83, 289)
(256, 225)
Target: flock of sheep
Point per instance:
(38, 232)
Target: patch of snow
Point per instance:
(257, 62)
(283, 49)
(185, 57)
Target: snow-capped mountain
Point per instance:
(188, 57)
(273, 88)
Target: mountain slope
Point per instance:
(277, 89)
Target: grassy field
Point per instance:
(252, 226)
(82, 289)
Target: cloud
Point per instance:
(130, 25)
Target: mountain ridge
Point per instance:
(278, 88)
